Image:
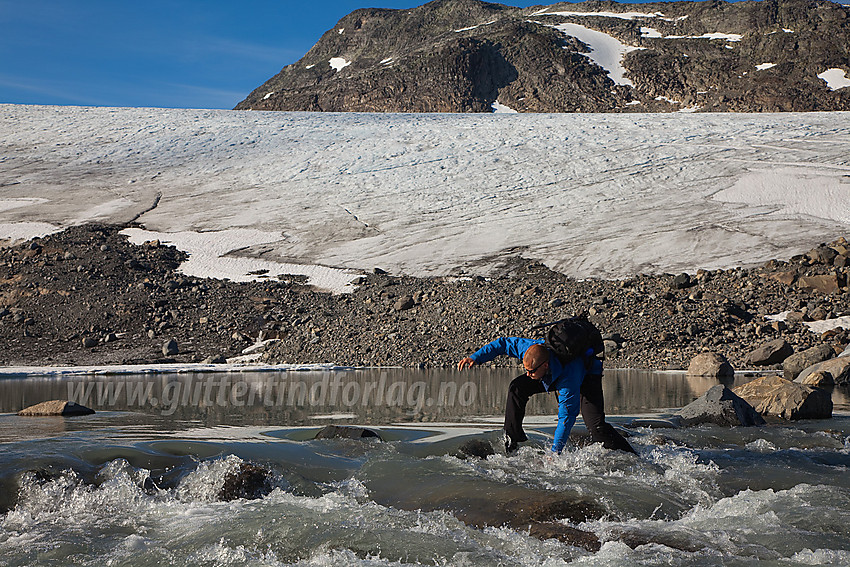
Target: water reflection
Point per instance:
(376, 396)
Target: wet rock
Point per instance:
(773, 352)
(249, 481)
(710, 364)
(796, 363)
(475, 448)
(839, 368)
(778, 397)
(346, 432)
(56, 408)
(720, 406)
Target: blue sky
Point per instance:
(158, 53)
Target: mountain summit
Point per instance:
(473, 56)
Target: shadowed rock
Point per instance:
(346, 432)
(250, 482)
(56, 408)
(475, 448)
(720, 406)
(773, 352)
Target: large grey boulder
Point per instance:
(772, 352)
(720, 406)
(796, 363)
(838, 367)
(62, 408)
(710, 364)
(778, 397)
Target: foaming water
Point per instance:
(134, 488)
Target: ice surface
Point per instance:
(590, 195)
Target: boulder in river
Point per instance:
(720, 406)
(778, 397)
(838, 367)
(57, 408)
(710, 364)
(346, 432)
(796, 363)
(249, 481)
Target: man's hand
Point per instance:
(465, 363)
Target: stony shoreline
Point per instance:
(86, 296)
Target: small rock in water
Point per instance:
(710, 364)
(56, 408)
(250, 482)
(345, 432)
(475, 448)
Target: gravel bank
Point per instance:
(86, 296)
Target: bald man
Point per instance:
(578, 384)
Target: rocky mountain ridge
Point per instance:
(467, 55)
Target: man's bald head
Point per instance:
(534, 360)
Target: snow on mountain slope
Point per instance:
(424, 194)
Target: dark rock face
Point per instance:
(475, 448)
(720, 406)
(464, 55)
(346, 432)
(249, 482)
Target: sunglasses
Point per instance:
(536, 368)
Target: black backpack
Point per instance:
(573, 338)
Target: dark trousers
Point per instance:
(592, 411)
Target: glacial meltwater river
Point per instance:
(138, 482)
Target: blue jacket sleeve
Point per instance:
(510, 346)
(568, 385)
(568, 407)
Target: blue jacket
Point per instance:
(564, 379)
